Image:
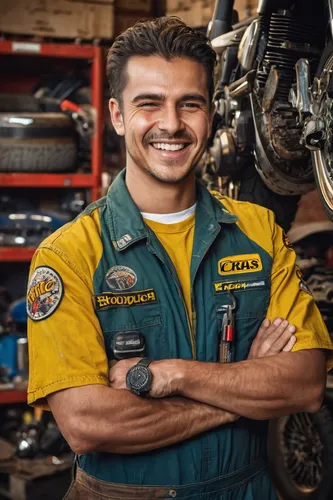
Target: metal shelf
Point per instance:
(48, 180)
(12, 396)
(93, 54)
(15, 254)
(31, 48)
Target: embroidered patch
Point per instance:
(120, 278)
(238, 264)
(238, 285)
(45, 292)
(108, 299)
(124, 240)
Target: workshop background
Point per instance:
(58, 152)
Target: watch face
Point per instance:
(139, 378)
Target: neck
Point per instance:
(153, 196)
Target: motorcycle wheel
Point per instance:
(322, 159)
(300, 452)
(254, 190)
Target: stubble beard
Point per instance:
(144, 166)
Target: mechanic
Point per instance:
(170, 267)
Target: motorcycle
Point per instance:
(273, 127)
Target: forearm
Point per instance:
(260, 388)
(119, 422)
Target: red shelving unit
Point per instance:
(92, 181)
(49, 180)
(12, 396)
(16, 254)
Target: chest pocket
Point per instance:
(136, 311)
(252, 299)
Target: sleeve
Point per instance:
(291, 298)
(66, 344)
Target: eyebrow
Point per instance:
(162, 97)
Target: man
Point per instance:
(162, 266)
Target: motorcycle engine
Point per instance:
(287, 36)
(286, 40)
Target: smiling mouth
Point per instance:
(165, 146)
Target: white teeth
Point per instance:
(168, 147)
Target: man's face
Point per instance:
(165, 116)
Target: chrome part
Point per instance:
(270, 91)
(232, 38)
(248, 46)
(228, 147)
(324, 177)
(322, 136)
(302, 451)
(330, 7)
(242, 87)
(303, 98)
(246, 22)
(314, 134)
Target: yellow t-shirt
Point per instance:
(177, 240)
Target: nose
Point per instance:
(171, 121)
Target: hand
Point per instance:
(164, 375)
(273, 338)
(118, 372)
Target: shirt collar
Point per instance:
(125, 220)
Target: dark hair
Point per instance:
(167, 37)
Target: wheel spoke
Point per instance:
(302, 451)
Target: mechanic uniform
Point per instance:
(107, 272)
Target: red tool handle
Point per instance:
(229, 333)
(67, 105)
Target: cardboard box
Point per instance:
(197, 13)
(134, 5)
(126, 21)
(86, 19)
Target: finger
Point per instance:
(263, 328)
(275, 331)
(288, 347)
(283, 340)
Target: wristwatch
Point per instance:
(139, 377)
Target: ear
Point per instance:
(116, 117)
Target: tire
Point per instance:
(322, 173)
(37, 142)
(254, 190)
(293, 479)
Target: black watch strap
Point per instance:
(144, 362)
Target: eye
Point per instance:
(147, 105)
(191, 105)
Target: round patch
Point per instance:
(45, 292)
(120, 278)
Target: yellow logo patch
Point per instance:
(239, 264)
(238, 285)
(108, 299)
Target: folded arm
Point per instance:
(258, 388)
(99, 418)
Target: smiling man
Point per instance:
(162, 350)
